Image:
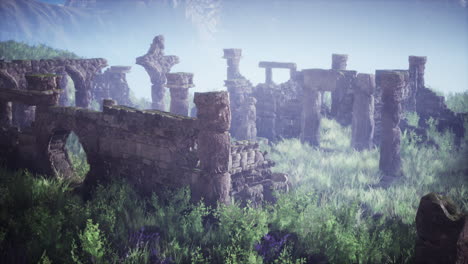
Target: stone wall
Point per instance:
(251, 176)
(151, 149)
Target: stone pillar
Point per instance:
(5, 114)
(179, 85)
(392, 84)
(339, 63)
(233, 57)
(117, 84)
(157, 65)
(214, 147)
(363, 112)
(311, 106)
(243, 109)
(417, 65)
(268, 75)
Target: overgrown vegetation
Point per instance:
(457, 102)
(13, 50)
(334, 212)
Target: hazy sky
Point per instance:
(375, 34)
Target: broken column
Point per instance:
(363, 112)
(157, 65)
(214, 146)
(339, 63)
(417, 65)
(118, 86)
(243, 126)
(392, 84)
(179, 85)
(233, 57)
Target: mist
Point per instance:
(375, 34)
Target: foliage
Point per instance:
(335, 211)
(12, 50)
(457, 102)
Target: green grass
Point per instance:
(334, 211)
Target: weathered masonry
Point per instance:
(151, 149)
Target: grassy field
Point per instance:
(333, 212)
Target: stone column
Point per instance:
(392, 84)
(363, 112)
(268, 75)
(179, 85)
(233, 57)
(5, 114)
(214, 147)
(243, 110)
(117, 84)
(339, 63)
(417, 65)
(311, 106)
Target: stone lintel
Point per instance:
(321, 79)
(30, 97)
(120, 69)
(277, 65)
(232, 53)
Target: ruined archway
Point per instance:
(67, 156)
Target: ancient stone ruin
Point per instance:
(12, 76)
(112, 84)
(362, 136)
(157, 65)
(179, 85)
(151, 149)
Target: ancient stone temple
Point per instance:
(157, 65)
(392, 83)
(179, 85)
(113, 84)
(363, 112)
(243, 104)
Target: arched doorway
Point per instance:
(67, 156)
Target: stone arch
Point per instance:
(59, 159)
(81, 91)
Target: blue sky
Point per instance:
(375, 34)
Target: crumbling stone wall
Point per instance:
(112, 84)
(151, 149)
(279, 106)
(252, 179)
(81, 71)
(157, 65)
(243, 104)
